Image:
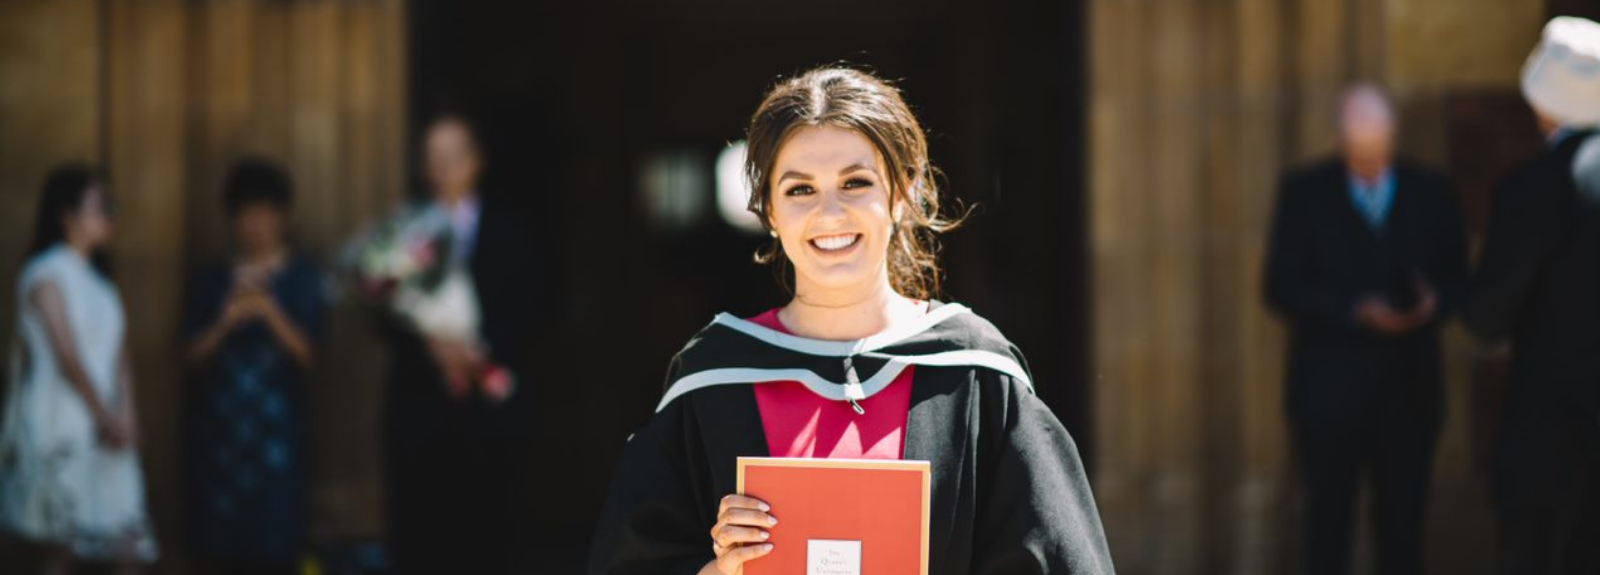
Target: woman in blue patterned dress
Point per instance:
(252, 324)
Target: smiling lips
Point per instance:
(835, 243)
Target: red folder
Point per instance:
(883, 504)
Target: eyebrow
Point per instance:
(791, 174)
(854, 167)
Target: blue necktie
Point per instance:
(1372, 200)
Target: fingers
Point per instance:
(1420, 280)
(749, 517)
(1393, 325)
(245, 303)
(740, 525)
(741, 501)
(122, 435)
(734, 559)
(114, 439)
(445, 356)
(734, 535)
(472, 354)
(130, 436)
(741, 531)
(742, 520)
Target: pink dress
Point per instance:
(799, 423)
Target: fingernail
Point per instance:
(772, 520)
(766, 547)
(765, 507)
(765, 535)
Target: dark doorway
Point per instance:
(579, 103)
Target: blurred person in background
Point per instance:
(455, 437)
(1538, 284)
(252, 322)
(1366, 256)
(70, 477)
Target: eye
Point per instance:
(856, 183)
(799, 190)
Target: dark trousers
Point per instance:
(454, 496)
(1556, 532)
(1392, 448)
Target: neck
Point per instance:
(260, 256)
(83, 248)
(1367, 171)
(846, 313)
(453, 199)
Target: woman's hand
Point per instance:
(118, 432)
(243, 304)
(739, 535)
(250, 301)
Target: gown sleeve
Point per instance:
(1526, 224)
(655, 521)
(1036, 514)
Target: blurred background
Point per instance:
(1121, 155)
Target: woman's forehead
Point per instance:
(824, 148)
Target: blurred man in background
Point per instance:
(1538, 283)
(455, 439)
(1366, 255)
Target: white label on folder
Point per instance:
(825, 557)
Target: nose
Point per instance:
(832, 207)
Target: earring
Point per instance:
(774, 233)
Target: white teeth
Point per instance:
(838, 242)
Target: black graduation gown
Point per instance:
(1538, 283)
(1009, 490)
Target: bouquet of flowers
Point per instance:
(405, 266)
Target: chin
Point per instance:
(839, 275)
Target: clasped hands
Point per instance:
(1376, 314)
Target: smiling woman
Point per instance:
(843, 134)
(860, 364)
(831, 214)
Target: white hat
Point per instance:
(1562, 76)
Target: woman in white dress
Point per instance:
(69, 462)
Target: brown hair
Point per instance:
(857, 101)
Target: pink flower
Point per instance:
(498, 384)
(423, 253)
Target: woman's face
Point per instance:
(831, 208)
(90, 224)
(258, 227)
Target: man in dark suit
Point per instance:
(1366, 256)
(455, 442)
(1538, 283)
